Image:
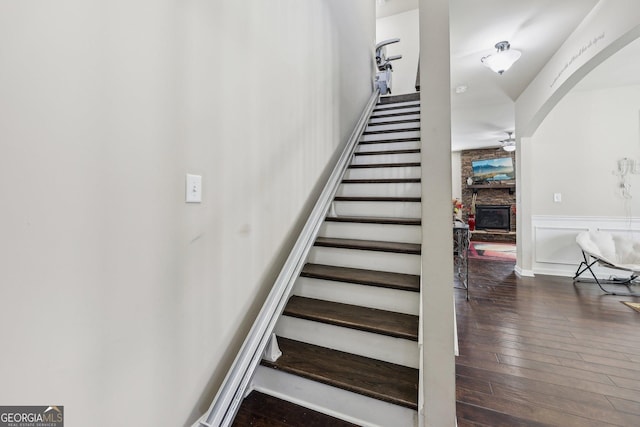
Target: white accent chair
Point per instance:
(612, 251)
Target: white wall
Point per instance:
(117, 297)
(611, 25)
(579, 144)
(436, 397)
(406, 26)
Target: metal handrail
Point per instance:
(229, 397)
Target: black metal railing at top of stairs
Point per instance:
(230, 395)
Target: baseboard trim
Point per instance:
(523, 273)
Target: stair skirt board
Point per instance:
(364, 231)
(369, 260)
(399, 118)
(386, 136)
(397, 111)
(378, 209)
(386, 146)
(355, 408)
(379, 190)
(382, 173)
(364, 159)
(398, 351)
(400, 301)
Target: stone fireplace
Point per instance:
(501, 194)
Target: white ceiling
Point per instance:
(392, 7)
(483, 114)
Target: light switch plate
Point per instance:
(193, 189)
(557, 197)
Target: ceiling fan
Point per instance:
(509, 144)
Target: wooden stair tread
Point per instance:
(391, 107)
(369, 245)
(375, 220)
(394, 99)
(376, 199)
(374, 320)
(382, 279)
(373, 153)
(377, 132)
(393, 122)
(391, 140)
(391, 114)
(259, 409)
(381, 181)
(373, 378)
(385, 165)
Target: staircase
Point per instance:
(349, 332)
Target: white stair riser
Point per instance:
(391, 190)
(374, 209)
(361, 231)
(386, 136)
(395, 126)
(352, 407)
(394, 118)
(386, 158)
(369, 260)
(375, 346)
(398, 104)
(385, 146)
(409, 110)
(400, 301)
(383, 173)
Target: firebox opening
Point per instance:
(493, 217)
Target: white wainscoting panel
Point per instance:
(555, 251)
(557, 245)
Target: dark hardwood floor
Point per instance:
(543, 352)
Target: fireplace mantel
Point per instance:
(511, 186)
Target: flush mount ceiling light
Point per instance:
(503, 59)
(509, 144)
